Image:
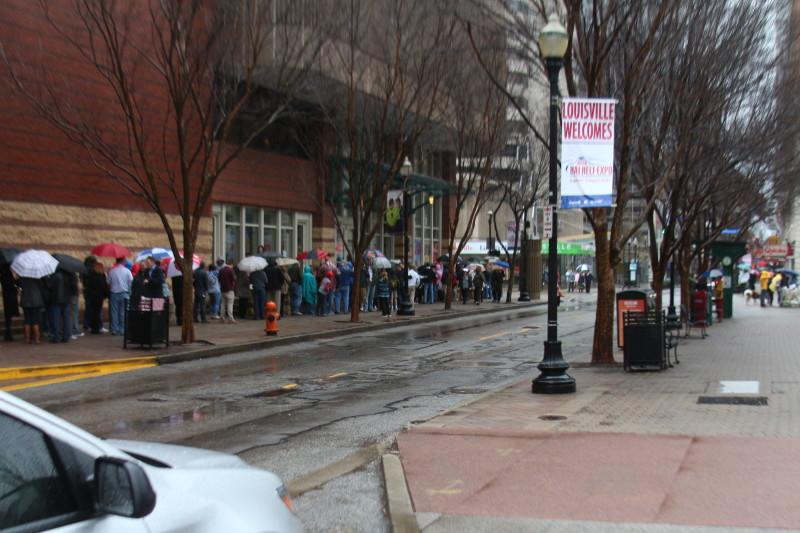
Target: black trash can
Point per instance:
(645, 341)
(147, 322)
(632, 300)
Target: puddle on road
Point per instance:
(190, 416)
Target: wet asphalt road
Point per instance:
(299, 408)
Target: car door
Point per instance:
(45, 484)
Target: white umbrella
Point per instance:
(286, 261)
(583, 268)
(34, 264)
(715, 273)
(252, 263)
(382, 262)
(473, 266)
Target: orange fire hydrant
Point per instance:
(272, 317)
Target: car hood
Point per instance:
(178, 456)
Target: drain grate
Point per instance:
(552, 417)
(733, 400)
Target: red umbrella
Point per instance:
(319, 254)
(110, 249)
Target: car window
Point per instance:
(32, 484)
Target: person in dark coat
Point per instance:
(61, 286)
(258, 281)
(498, 275)
(274, 282)
(96, 290)
(10, 298)
(32, 300)
(200, 284)
(242, 293)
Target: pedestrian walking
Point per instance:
(383, 292)
(588, 282)
(258, 288)
(764, 280)
(227, 288)
(119, 283)
(497, 277)
(214, 292)
(309, 291)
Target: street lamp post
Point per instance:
(553, 41)
(406, 307)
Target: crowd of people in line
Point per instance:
(50, 305)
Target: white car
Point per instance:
(57, 477)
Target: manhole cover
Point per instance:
(732, 400)
(550, 418)
(467, 390)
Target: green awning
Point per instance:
(415, 183)
(569, 248)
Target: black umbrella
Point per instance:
(70, 264)
(7, 255)
(444, 258)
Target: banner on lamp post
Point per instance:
(587, 152)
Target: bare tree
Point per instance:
(385, 70)
(474, 119)
(191, 84)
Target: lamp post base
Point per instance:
(553, 378)
(405, 308)
(524, 297)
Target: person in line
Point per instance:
(578, 286)
(274, 282)
(227, 287)
(258, 284)
(74, 305)
(214, 292)
(365, 281)
(154, 279)
(570, 281)
(61, 286)
(588, 281)
(119, 283)
(296, 289)
(10, 298)
(32, 300)
(96, 293)
(477, 282)
(242, 292)
(286, 306)
(466, 284)
(201, 286)
(346, 278)
(309, 291)
(383, 291)
(325, 290)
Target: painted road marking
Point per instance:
(337, 375)
(73, 368)
(115, 369)
(289, 386)
(493, 336)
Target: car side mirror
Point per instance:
(121, 488)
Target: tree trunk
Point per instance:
(658, 285)
(603, 343)
(355, 301)
(513, 263)
(187, 327)
(448, 291)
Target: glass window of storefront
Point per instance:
(245, 228)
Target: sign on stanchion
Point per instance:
(548, 221)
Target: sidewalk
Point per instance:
(20, 363)
(627, 452)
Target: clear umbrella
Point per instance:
(382, 262)
(252, 264)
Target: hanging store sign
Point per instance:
(587, 152)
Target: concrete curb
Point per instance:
(401, 511)
(350, 463)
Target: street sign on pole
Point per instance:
(548, 221)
